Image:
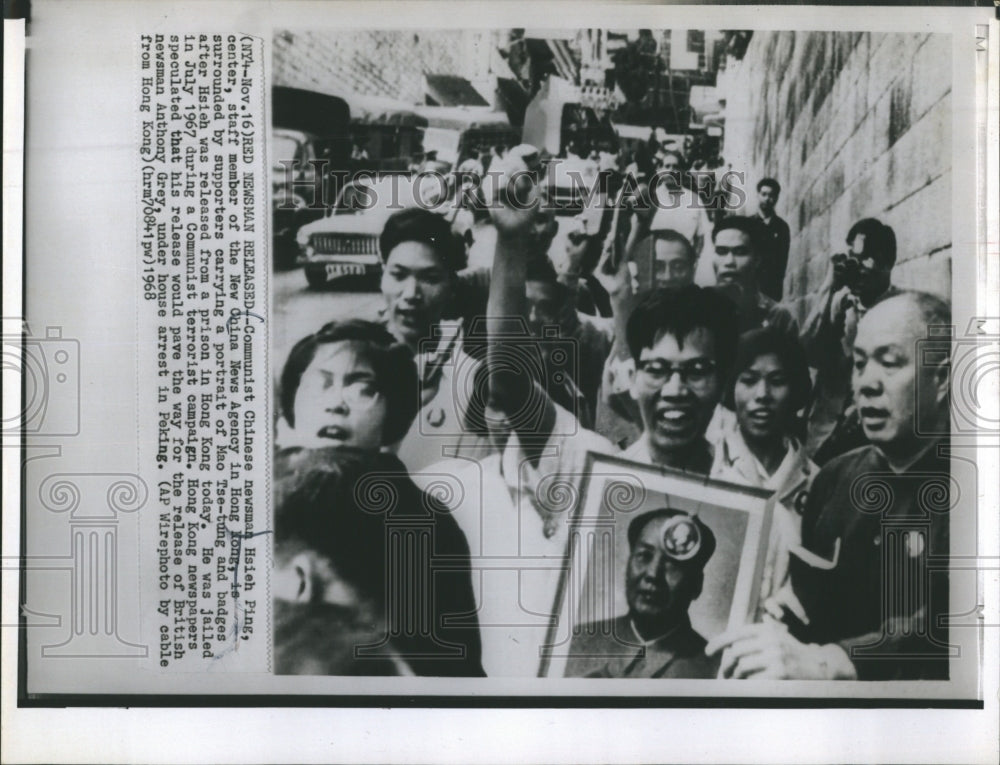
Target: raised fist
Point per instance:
(512, 190)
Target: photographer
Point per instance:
(862, 602)
(855, 282)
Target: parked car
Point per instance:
(345, 241)
(310, 149)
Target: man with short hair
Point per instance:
(855, 282)
(513, 503)
(863, 601)
(736, 263)
(682, 342)
(668, 550)
(776, 240)
(676, 208)
(574, 377)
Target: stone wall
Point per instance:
(852, 125)
(388, 64)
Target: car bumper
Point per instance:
(333, 268)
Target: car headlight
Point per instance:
(309, 250)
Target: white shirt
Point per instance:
(515, 517)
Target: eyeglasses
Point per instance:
(695, 373)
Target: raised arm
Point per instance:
(514, 202)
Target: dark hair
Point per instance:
(880, 241)
(769, 182)
(317, 508)
(680, 157)
(392, 362)
(540, 269)
(680, 310)
(749, 226)
(758, 342)
(669, 235)
(640, 522)
(415, 224)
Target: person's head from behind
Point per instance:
(770, 384)
(901, 377)
(768, 191)
(683, 341)
(674, 259)
(736, 240)
(328, 581)
(668, 550)
(421, 256)
(873, 244)
(352, 384)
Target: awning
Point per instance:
(562, 58)
(451, 90)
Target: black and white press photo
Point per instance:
(618, 385)
(502, 257)
(664, 561)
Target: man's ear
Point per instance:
(942, 380)
(302, 568)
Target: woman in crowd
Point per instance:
(770, 385)
(347, 393)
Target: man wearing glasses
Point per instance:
(682, 341)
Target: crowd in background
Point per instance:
(660, 335)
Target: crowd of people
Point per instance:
(424, 459)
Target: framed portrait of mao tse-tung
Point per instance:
(659, 563)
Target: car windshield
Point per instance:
(286, 150)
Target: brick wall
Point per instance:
(852, 125)
(376, 63)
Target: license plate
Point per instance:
(333, 270)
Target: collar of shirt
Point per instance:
(734, 459)
(928, 453)
(685, 623)
(699, 460)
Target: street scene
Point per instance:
(503, 256)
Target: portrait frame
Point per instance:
(614, 493)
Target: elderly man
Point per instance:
(863, 603)
(668, 550)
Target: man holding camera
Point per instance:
(865, 599)
(855, 282)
